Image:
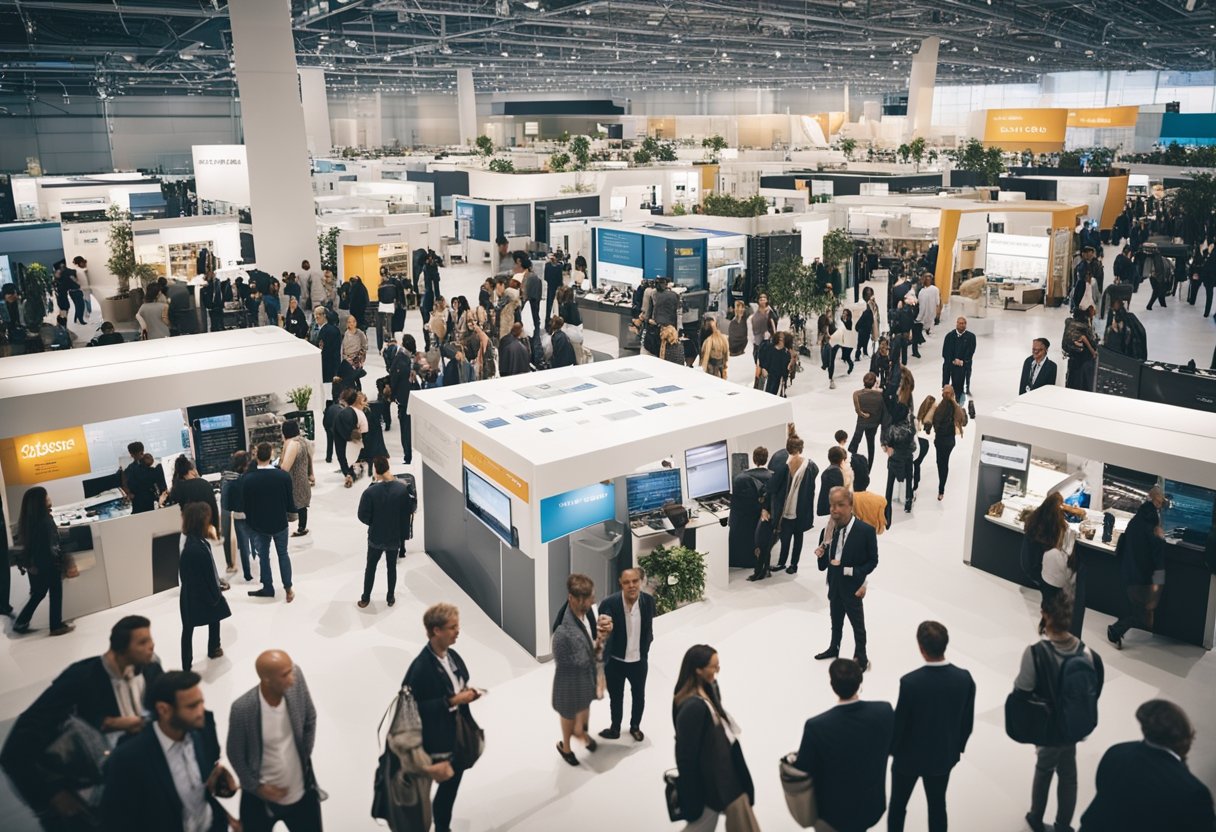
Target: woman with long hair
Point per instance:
(947, 421)
(736, 330)
(868, 323)
(714, 778)
(296, 460)
(825, 328)
(670, 348)
(846, 337)
(201, 600)
(899, 434)
(41, 557)
(715, 349)
(1046, 528)
(924, 417)
(578, 649)
(776, 360)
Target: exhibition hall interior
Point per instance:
(606, 414)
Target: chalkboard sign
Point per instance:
(1117, 374)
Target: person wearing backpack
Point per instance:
(1060, 670)
(899, 435)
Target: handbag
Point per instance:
(470, 742)
(1029, 716)
(671, 790)
(799, 792)
(601, 681)
(77, 755)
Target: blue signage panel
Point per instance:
(478, 217)
(655, 256)
(562, 514)
(623, 248)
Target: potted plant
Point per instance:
(122, 264)
(676, 576)
(300, 397)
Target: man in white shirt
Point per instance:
(311, 285)
(930, 301)
(627, 650)
(271, 732)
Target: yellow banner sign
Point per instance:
(1039, 129)
(40, 457)
(496, 472)
(1104, 117)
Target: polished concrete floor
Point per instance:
(765, 633)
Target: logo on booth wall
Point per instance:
(41, 457)
(37, 450)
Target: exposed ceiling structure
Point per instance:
(118, 47)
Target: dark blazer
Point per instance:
(244, 744)
(933, 719)
(844, 749)
(83, 689)
(201, 601)
(1128, 775)
(139, 792)
(385, 509)
(957, 346)
(195, 490)
(832, 477)
(713, 772)
(1047, 375)
(329, 339)
(432, 689)
(779, 489)
(614, 607)
(860, 553)
(563, 350)
(268, 499)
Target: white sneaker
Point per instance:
(832, 384)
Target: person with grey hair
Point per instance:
(848, 557)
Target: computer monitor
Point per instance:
(488, 503)
(708, 468)
(98, 485)
(1188, 507)
(649, 492)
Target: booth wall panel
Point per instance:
(559, 570)
(465, 549)
(519, 584)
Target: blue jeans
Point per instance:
(261, 548)
(242, 533)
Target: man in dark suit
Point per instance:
(849, 557)
(958, 349)
(1037, 370)
(748, 495)
(844, 749)
(933, 720)
(89, 689)
(832, 477)
(268, 504)
(632, 614)
(1147, 785)
(553, 282)
(168, 777)
(857, 462)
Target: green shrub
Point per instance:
(677, 574)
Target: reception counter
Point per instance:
(610, 318)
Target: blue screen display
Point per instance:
(655, 257)
(623, 248)
(562, 514)
(1188, 507)
(648, 492)
(478, 217)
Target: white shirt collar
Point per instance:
(942, 663)
(1169, 751)
(167, 742)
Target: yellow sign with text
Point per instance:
(1104, 117)
(40, 457)
(496, 472)
(1040, 129)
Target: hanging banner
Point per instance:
(1103, 117)
(1041, 129)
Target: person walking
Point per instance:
(1158, 272)
(43, 559)
(845, 338)
(899, 436)
(627, 649)
(439, 681)
(791, 507)
(272, 729)
(868, 323)
(268, 506)
(1141, 553)
(848, 557)
(1156, 766)
(296, 460)
(714, 778)
(845, 749)
(201, 600)
(188, 487)
(868, 405)
(578, 645)
(1042, 665)
(763, 325)
(328, 339)
(715, 350)
(153, 314)
(934, 716)
(1080, 345)
(881, 362)
(776, 363)
(386, 508)
(947, 420)
(232, 514)
(354, 343)
(402, 380)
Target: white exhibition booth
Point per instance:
(69, 416)
(527, 479)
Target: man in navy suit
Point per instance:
(849, 558)
(1037, 370)
(632, 614)
(1147, 785)
(844, 749)
(933, 720)
(167, 778)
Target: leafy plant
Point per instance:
(677, 575)
(904, 152)
(847, 146)
(300, 397)
(678, 210)
(988, 162)
(559, 161)
(145, 274)
(327, 242)
(791, 288)
(916, 149)
(564, 137)
(1197, 196)
(725, 205)
(502, 166)
(837, 247)
(641, 156)
(121, 242)
(485, 145)
(659, 150)
(38, 280)
(580, 151)
(715, 144)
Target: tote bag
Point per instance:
(799, 792)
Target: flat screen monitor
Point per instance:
(708, 468)
(648, 492)
(97, 485)
(1124, 489)
(488, 503)
(1188, 507)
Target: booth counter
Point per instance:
(1071, 441)
(67, 418)
(529, 478)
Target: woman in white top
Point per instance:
(82, 280)
(153, 315)
(360, 408)
(791, 503)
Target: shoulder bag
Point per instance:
(78, 754)
(470, 741)
(1030, 715)
(799, 792)
(671, 790)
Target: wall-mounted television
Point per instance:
(1124, 489)
(488, 503)
(708, 468)
(648, 492)
(1189, 508)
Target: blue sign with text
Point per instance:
(562, 514)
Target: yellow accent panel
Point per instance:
(1116, 196)
(39, 457)
(1104, 117)
(496, 472)
(1039, 130)
(365, 262)
(947, 235)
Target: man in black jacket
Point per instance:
(844, 749)
(168, 777)
(632, 614)
(439, 680)
(748, 496)
(1147, 785)
(107, 691)
(849, 558)
(1141, 553)
(211, 297)
(1037, 370)
(329, 340)
(933, 720)
(832, 477)
(385, 508)
(553, 282)
(901, 330)
(268, 504)
(958, 349)
(402, 379)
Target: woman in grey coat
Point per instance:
(297, 461)
(578, 644)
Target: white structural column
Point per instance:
(920, 88)
(276, 146)
(466, 106)
(316, 110)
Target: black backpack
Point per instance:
(1063, 708)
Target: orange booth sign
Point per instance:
(39, 457)
(1040, 130)
(1104, 117)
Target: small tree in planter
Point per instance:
(123, 265)
(676, 575)
(792, 291)
(300, 397)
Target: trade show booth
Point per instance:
(69, 416)
(529, 478)
(1103, 460)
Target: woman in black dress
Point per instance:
(776, 360)
(294, 320)
(202, 602)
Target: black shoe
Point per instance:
(592, 745)
(21, 629)
(830, 653)
(779, 567)
(756, 577)
(863, 662)
(569, 757)
(611, 733)
(390, 600)
(637, 734)
(1035, 825)
(1114, 639)
(261, 593)
(793, 570)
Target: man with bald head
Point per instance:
(632, 614)
(958, 349)
(271, 732)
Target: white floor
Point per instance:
(765, 633)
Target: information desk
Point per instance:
(1055, 439)
(68, 417)
(610, 318)
(524, 478)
